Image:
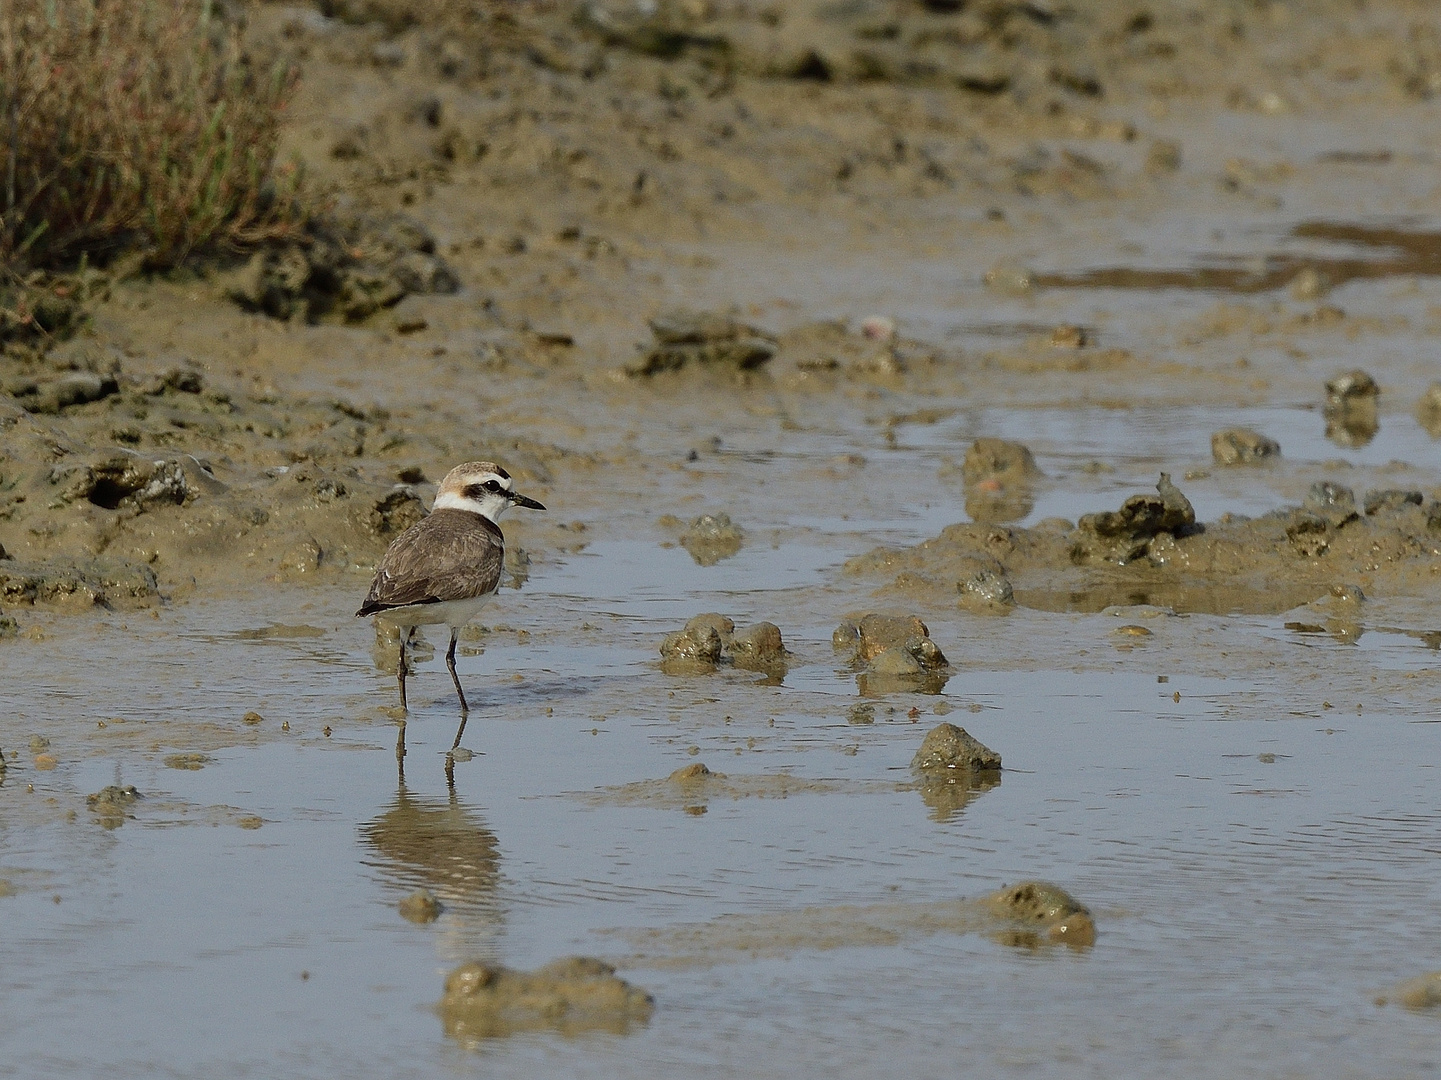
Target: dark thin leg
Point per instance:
(400, 752)
(460, 731)
(400, 671)
(450, 663)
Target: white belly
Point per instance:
(452, 613)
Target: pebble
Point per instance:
(421, 906)
(1242, 446)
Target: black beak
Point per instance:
(517, 499)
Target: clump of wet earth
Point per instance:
(891, 653)
(1152, 550)
(710, 640)
(951, 768)
(571, 996)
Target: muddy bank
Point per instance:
(1152, 551)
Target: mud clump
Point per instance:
(691, 339)
(1428, 410)
(952, 768)
(574, 995)
(711, 538)
(1042, 914)
(1420, 993)
(111, 805)
(1242, 446)
(1351, 409)
(421, 907)
(348, 270)
(896, 654)
(710, 639)
(1122, 535)
(999, 477)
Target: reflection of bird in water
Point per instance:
(443, 846)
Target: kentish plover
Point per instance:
(445, 567)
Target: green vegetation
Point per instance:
(136, 126)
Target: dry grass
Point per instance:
(136, 125)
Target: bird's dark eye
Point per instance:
(492, 485)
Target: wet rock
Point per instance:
(421, 906)
(692, 773)
(861, 714)
(485, 1001)
(983, 587)
(112, 804)
(1390, 500)
(896, 652)
(1045, 914)
(759, 647)
(1241, 446)
(703, 339)
(999, 477)
(711, 538)
(71, 584)
(872, 634)
(1428, 410)
(1334, 504)
(8, 627)
(897, 661)
(1422, 992)
(697, 647)
(709, 639)
(1351, 409)
(948, 747)
(1121, 536)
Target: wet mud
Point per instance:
(867, 331)
(570, 996)
(1028, 915)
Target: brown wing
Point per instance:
(450, 555)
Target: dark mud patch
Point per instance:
(571, 996)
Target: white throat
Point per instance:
(490, 507)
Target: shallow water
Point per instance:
(1248, 910)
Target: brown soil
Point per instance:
(524, 196)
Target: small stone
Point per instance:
(758, 647)
(861, 714)
(1428, 410)
(1047, 914)
(699, 646)
(711, 538)
(1068, 336)
(1333, 503)
(252, 718)
(421, 906)
(1351, 387)
(1241, 446)
(690, 773)
(947, 746)
(897, 661)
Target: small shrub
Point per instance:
(136, 125)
